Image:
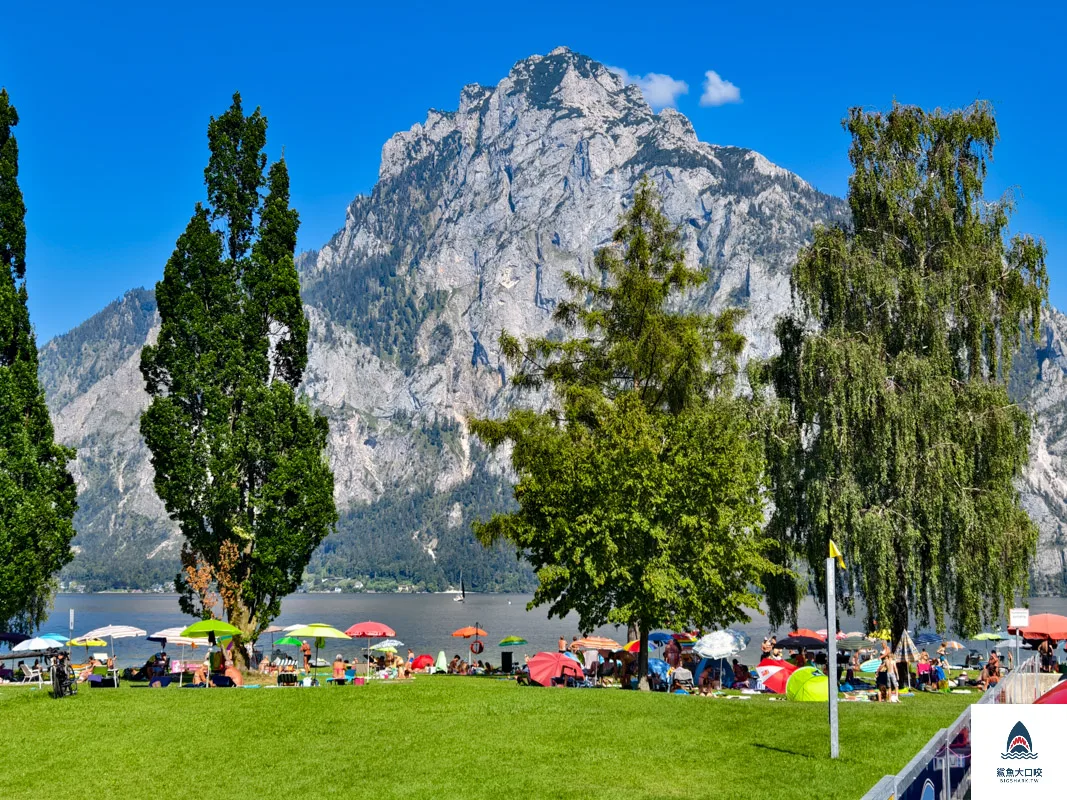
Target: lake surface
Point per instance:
(423, 622)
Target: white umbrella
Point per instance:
(388, 643)
(36, 643)
(718, 644)
(294, 627)
(113, 632)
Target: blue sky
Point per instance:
(114, 101)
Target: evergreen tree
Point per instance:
(897, 438)
(640, 492)
(239, 458)
(37, 493)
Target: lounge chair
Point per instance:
(30, 675)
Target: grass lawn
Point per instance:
(445, 737)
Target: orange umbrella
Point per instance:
(809, 632)
(469, 631)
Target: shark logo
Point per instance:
(1019, 743)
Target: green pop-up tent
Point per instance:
(442, 662)
(808, 685)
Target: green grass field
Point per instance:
(442, 737)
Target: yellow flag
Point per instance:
(835, 553)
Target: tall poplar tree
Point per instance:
(239, 458)
(37, 493)
(640, 496)
(897, 438)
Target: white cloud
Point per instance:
(659, 90)
(718, 91)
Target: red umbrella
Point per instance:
(370, 630)
(809, 633)
(546, 666)
(422, 661)
(1056, 696)
(1044, 626)
(774, 674)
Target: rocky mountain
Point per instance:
(476, 215)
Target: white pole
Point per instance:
(831, 649)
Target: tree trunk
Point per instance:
(239, 617)
(642, 658)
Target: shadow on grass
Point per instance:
(785, 750)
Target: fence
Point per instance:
(942, 769)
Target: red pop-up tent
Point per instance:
(422, 662)
(546, 666)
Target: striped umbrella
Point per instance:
(954, 645)
(512, 641)
(596, 643)
(906, 649)
(855, 641)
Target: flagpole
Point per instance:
(831, 648)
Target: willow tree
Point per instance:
(239, 458)
(897, 437)
(640, 490)
(37, 492)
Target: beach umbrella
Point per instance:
(36, 643)
(822, 632)
(394, 643)
(209, 629)
(596, 643)
(774, 674)
(927, 637)
(1044, 626)
(808, 685)
(546, 666)
(906, 651)
(512, 641)
(59, 637)
(808, 632)
(684, 638)
(369, 630)
(113, 632)
(990, 636)
(954, 646)
(293, 627)
(659, 637)
(854, 641)
(717, 645)
(288, 641)
(635, 646)
(320, 631)
(469, 631)
(11, 638)
(384, 648)
(802, 642)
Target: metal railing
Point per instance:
(944, 762)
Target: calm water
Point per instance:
(423, 622)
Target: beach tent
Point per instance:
(726, 671)
(422, 662)
(546, 666)
(774, 674)
(808, 685)
(442, 662)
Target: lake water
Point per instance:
(423, 622)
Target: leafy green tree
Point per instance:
(640, 491)
(37, 493)
(896, 437)
(239, 458)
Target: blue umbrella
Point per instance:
(925, 638)
(659, 637)
(55, 637)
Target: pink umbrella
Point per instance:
(546, 666)
(368, 631)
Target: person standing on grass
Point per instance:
(305, 649)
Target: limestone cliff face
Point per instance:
(476, 216)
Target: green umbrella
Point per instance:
(512, 641)
(209, 628)
(990, 637)
(321, 632)
(288, 641)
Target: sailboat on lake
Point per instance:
(462, 596)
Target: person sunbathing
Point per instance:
(90, 665)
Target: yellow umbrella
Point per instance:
(87, 643)
(319, 631)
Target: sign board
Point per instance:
(1017, 751)
(1019, 617)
